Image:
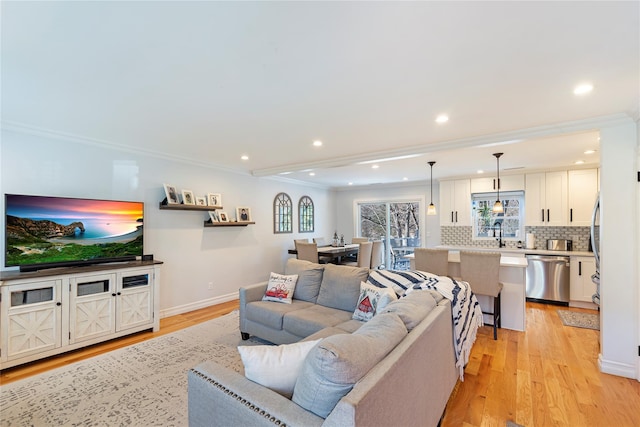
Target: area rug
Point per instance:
(141, 385)
(579, 320)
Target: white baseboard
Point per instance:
(616, 368)
(197, 305)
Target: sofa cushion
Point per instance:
(350, 325)
(372, 300)
(275, 366)
(340, 286)
(310, 320)
(399, 281)
(412, 308)
(280, 288)
(309, 278)
(339, 361)
(270, 314)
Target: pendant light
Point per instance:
(497, 206)
(431, 210)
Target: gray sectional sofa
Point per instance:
(399, 368)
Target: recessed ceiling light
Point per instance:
(375, 166)
(589, 151)
(583, 89)
(480, 171)
(312, 174)
(579, 162)
(351, 183)
(405, 179)
(245, 157)
(317, 143)
(442, 118)
(285, 173)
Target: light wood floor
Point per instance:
(547, 376)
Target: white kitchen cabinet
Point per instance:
(582, 193)
(53, 311)
(581, 286)
(489, 185)
(455, 202)
(546, 199)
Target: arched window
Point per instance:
(282, 214)
(305, 215)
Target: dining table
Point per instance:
(334, 254)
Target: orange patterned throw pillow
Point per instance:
(280, 288)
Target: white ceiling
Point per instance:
(210, 81)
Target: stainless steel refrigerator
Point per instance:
(595, 246)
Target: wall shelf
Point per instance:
(227, 224)
(182, 207)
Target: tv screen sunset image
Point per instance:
(41, 230)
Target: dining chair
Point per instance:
(296, 241)
(320, 241)
(377, 247)
(431, 260)
(359, 239)
(364, 255)
(307, 251)
(482, 270)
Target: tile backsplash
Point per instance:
(462, 236)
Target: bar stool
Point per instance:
(482, 270)
(435, 261)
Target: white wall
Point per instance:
(619, 219)
(346, 220)
(193, 255)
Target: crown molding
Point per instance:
(62, 136)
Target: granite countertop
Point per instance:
(516, 251)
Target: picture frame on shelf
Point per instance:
(243, 214)
(222, 215)
(171, 194)
(201, 201)
(214, 216)
(187, 197)
(214, 199)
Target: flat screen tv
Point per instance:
(47, 232)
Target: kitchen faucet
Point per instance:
(501, 244)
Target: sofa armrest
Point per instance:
(219, 396)
(252, 293)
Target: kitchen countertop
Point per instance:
(516, 251)
(505, 260)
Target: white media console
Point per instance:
(53, 311)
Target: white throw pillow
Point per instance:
(275, 366)
(372, 300)
(280, 288)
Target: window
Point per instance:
(397, 224)
(305, 215)
(282, 214)
(486, 223)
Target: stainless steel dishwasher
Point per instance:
(548, 279)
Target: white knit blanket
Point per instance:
(465, 310)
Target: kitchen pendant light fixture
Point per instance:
(431, 210)
(497, 206)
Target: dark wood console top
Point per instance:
(61, 271)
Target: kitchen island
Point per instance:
(513, 296)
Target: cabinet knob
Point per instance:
(119, 293)
(58, 304)
(113, 295)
